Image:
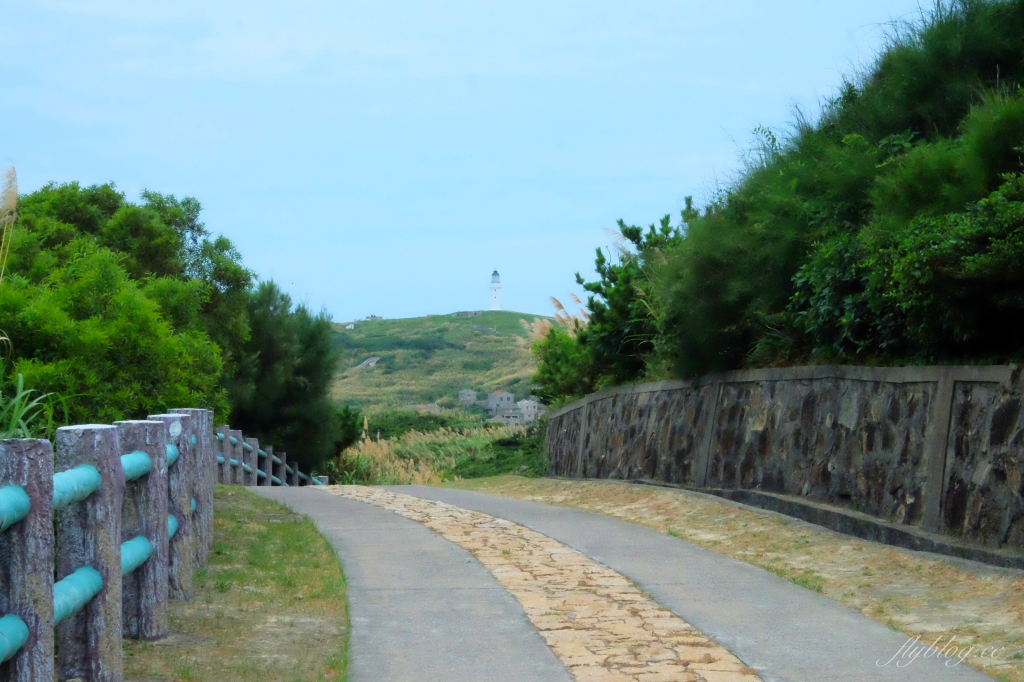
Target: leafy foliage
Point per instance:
(620, 332)
(945, 288)
(126, 309)
(290, 360)
(85, 318)
(885, 232)
(563, 369)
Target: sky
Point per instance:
(385, 157)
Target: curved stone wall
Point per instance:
(939, 448)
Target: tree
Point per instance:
(289, 362)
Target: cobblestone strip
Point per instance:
(598, 623)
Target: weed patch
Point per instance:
(269, 606)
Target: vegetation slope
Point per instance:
(430, 359)
(888, 231)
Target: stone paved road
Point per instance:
(424, 610)
(785, 632)
(600, 625)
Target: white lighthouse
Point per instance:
(495, 291)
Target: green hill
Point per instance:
(428, 359)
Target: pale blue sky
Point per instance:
(384, 157)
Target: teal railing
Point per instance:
(72, 593)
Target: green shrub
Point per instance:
(865, 236)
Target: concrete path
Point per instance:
(786, 632)
(422, 608)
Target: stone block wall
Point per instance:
(938, 448)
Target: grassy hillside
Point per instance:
(427, 359)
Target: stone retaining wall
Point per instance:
(938, 448)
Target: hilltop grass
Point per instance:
(428, 359)
(270, 605)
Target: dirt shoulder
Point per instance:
(270, 605)
(935, 597)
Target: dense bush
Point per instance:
(282, 391)
(121, 309)
(391, 422)
(100, 311)
(884, 232)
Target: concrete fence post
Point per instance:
(181, 554)
(293, 477)
(144, 513)
(205, 458)
(89, 534)
(251, 460)
(279, 469)
(224, 450)
(188, 445)
(267, 465)
(26, 558)
(236, 454)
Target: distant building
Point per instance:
(499, 399)
(432, 408)
(468, 313)
(350, 325)
(532, 410)
(495, 291)
(373, 318)
(509, 415)
(368, 363)
(467, 396)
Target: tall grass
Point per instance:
(21, 410)
(420, 458)
(8, 214)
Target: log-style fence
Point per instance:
(91, 553)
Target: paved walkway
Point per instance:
(597, 622)
(423, 610)
(785, 632)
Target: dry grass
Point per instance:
(8, 214)
(421, 458)
(916, 593)
(270, 606)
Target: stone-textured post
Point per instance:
(236, 454)
(279, 469)
(181, 552)
(89, 534)
(205, 476)
(936, 439)
(224, 452)
(251, 459)
(188, 444)
(267, 465)
(293, 477)
(144, 513)
(26, 558)
(705, 436)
